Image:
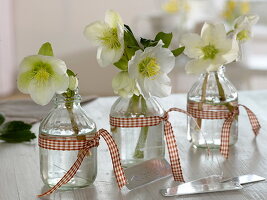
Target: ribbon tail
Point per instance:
(225, 137)
(253, 120)
(115, 156)
(173, 152)
(69, 174)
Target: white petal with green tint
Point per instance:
(112, 18)
(192, 43)
(108, 36)
(94, 32)
(160, 88)
(197, 66)
(123, 85)
(210, 50)
(41, 92)
(42, 77)
(150, 68)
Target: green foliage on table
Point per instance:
(15, 131)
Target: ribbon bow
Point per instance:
(168, 131)
(225, 135)
(222, 112)
(74, 143)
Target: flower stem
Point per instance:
(69, 94)
(203, 97)
(139, 152)
(222, 94)
(72, 119)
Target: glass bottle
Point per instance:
(212, 88)
(138, 144)
(67, 119)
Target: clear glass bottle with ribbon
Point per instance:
(137, 144)
(65, 121)
(211, 101)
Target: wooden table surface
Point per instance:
(19, 163)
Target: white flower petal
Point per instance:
(28, 62)
(133, 64)
(23, 81)
(141, 86)
(107, 56)
(94, 31)
(59, 66)
(164, 58)
(232, 55)
(211, 33)
(193, 44)
(213, 67)
(60, 83)
(245, 21)
(161, 87)
(197, 66)
(123, 85)
(113, 18)
(41, 93)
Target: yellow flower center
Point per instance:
(110, 39)
(242, 35)
(148, 67)
(245, 7)
(209, 51)
(171, 6)
(42, 75)
(42, 72)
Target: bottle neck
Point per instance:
(67, 98)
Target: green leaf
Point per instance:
(148, 43)
(14, 126)
(16, 131)
(122, 64)
(130, 47)
(46, 50)
(19, 136)
(2, 118)
(165, 37)
(178, 51)
(70, 73)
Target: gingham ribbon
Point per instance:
(83, 145)
(222, 112)
(168, 131)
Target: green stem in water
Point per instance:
(222, 94)
(69, 105)
(139, 152)
(203, 98)
(72, 119)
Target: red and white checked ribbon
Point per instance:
(168, 131)
(83, 145)
(222, 112)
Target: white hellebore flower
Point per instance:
(108, 36)
(124, 86)
(150, 68)
(210, 50)
(42, 77)
(73, 82)
(243, 25)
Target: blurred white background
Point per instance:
(26, 24)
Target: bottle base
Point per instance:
(72, 184)
(213, 144)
